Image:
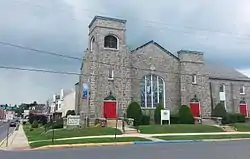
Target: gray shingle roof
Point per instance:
(221, 71)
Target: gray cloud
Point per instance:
(218, 28)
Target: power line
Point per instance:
(99, 75)
(39, 51)
(167, 25)
(93, 61)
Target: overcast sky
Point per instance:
(220, 29)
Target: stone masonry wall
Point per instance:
(101, 59)
(166, 66)
(233, 96)
(193, 63)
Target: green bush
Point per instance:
(236, 118)
(35, 124)
(185, 115)
(220, 111)
(157, 114)
(70, 112)
(58, 124)
(145, 120)
(174, 119)
(134, 111)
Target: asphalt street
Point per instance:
(4, 129)
(198, 150)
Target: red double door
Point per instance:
(243, 109)
(109, 109)
(195, 109)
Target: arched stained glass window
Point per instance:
(152, 91)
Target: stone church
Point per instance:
(150, 74)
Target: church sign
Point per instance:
(165, 115)
(73, 120)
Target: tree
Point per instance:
(134, 111)
(185, 115)
(70, 112)
(157, 114)
(220, 111)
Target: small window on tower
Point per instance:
(111, 41)
(242, 90)
(194, 79)
(92, 43)
(111, 74)
(222, 88)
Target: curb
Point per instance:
(166, 141)
(82, 145)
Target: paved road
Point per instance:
(204, 150)
(3, 130)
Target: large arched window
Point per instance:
(152, 91)
(111, 41)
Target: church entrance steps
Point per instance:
(130, 131)
(209, 122)
(112, 123)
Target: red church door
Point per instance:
(195, 109)
(109, 109)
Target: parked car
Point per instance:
(12, 124)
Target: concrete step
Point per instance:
(130, 131)
(112, 123)
(208, 122)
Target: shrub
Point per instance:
(70, 112)
(35, 124)
(236, 118)
(185, 115)
(145, 120)
(174, 119)
(41, 119)
(220, 111)
(134, 111)
(58, 124)
(157, 114)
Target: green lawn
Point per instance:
(178, 128)
(93, 140)
(38, 133)
(243, 127)
(200, 137)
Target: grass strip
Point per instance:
(83, 141)
(178, 128)
(202, 137)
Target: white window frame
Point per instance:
(194, 79)
(243, 89)
(118, 42)
(224, 88)
(151, 87)
(92, 40)
(112, 74)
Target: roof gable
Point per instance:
(157, 45)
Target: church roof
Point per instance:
(220, 71)
(158, 45)
(106, 18)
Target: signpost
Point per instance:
(165, 115)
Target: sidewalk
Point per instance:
(17, 140)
